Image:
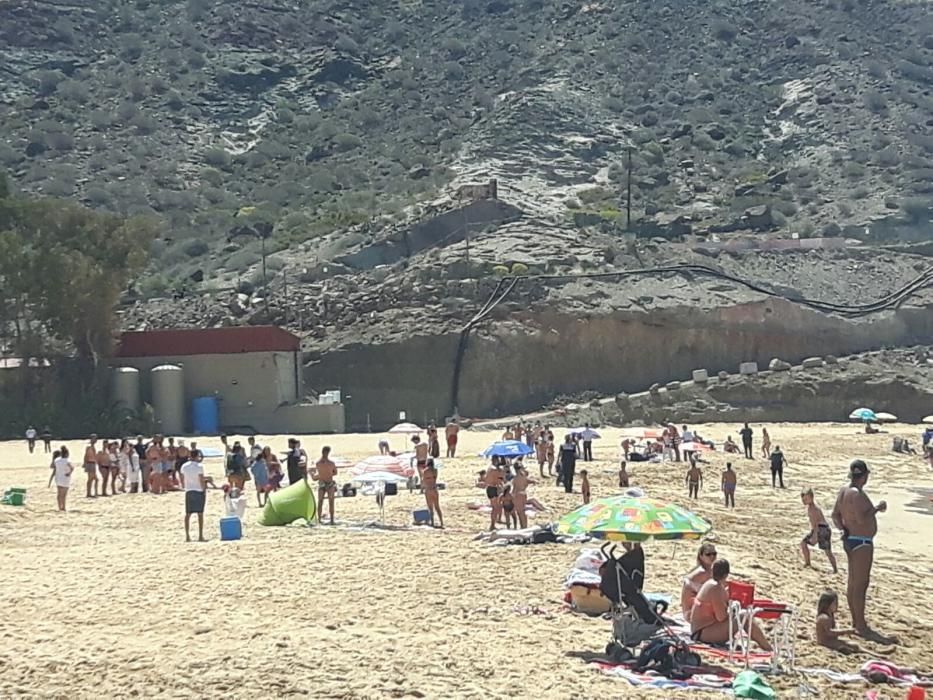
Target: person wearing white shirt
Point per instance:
(194, 483)
(688, 437)
(61, 472)
(134, 471)
(254, 449)
(587, 435)
(31, 436)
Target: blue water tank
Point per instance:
(205, 415)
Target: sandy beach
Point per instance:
(107, 600)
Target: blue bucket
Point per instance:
(230, 528)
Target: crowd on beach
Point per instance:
(705, 596)
(162, 464)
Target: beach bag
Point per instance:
(667, 657)
(656, 656)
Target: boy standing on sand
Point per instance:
(623, 475)
(694, 480)
(728, 485)
(820, 533)
(585, 486)
(325, 473)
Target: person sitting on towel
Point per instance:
(709, 621)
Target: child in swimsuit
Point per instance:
(508, 507)
(826, 633)
(585, 486)
(275, 475)
(260, 469)
(820, 533)
(623, 475)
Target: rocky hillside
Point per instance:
(322, 115)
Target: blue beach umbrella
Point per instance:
(507, 448)
(865, 415)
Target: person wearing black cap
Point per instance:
(855, 515)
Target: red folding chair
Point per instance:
(744, 609)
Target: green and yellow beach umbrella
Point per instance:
(633, 519)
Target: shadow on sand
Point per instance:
(922, 501)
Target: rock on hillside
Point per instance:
(326, 114)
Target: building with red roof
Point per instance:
(254, 372)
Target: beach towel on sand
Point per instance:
(681, 628)
(649, 679)
(879, 671)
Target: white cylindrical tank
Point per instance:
(126, 389)
(168, 398)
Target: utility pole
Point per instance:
(265, 281)
(628, 200)
(285, 294)
(466, 238)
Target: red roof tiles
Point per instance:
(207, 341)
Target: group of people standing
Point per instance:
(506, 485)
(577, 445)
(155, 466)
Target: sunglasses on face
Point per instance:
(711, 554)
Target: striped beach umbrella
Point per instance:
(628, 519)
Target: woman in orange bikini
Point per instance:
(709, 622)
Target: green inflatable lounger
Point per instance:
(294, 502)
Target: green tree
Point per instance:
(62, 269)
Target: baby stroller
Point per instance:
(634, 619)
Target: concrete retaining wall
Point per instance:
(523, 364)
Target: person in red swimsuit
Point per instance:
(451, 431)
